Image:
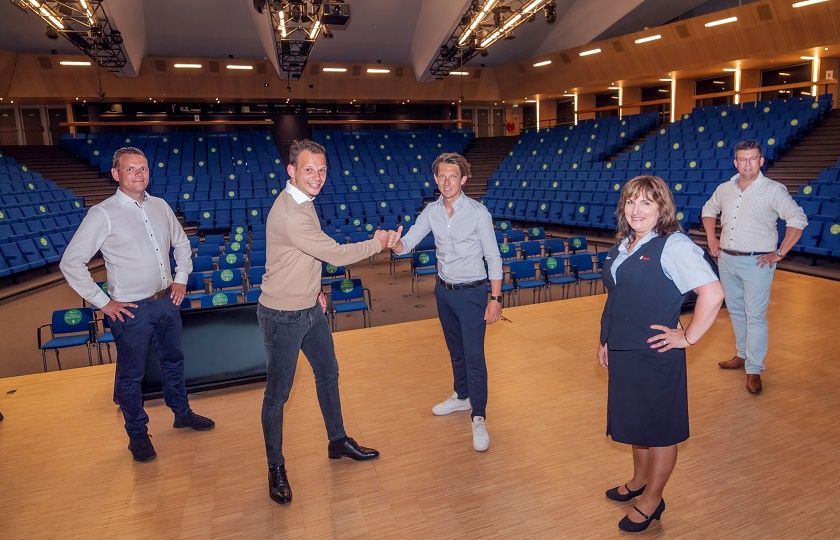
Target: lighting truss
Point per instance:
(84, 24)
(296, 25)
(483, 24)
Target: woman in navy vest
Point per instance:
(643, 343)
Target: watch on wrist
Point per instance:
(496, 298)
(779, 253)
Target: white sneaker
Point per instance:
(451, 404)
(481, 439)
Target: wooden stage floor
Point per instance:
(755, 467)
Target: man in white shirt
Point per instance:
(134, 231)
(749, 205)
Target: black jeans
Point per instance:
(285, 334)
(461, 314)
(156, 323)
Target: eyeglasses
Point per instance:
(751, 159)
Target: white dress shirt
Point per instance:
(134, 239)
(748, 218)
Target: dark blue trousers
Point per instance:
(156, 323)
(285, 335)
(461, 314)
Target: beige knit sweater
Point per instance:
(296, 245)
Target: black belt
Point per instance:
(744, 253)
(160, 295)
(467, 285)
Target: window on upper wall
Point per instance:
(724, 82)
(608, 99)
(777, 76)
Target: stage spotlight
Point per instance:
(116, 37)
(550, 11)
(259, 5)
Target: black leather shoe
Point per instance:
(278, 485)
(141, 448)
(631, 526)
(614, 494)
(194, 421)
(347, 447)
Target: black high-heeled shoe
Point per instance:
(615, 495)
(631, 526)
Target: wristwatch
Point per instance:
(496, 298)
(779, 253)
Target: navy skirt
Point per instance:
(647, 403)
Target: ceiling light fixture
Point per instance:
(543, 63)
(334, 70)
(614, 88)
(461, 73)
(663, 90)
(783, 74)
(74, 63)
(665, 80)
(478, 18)
(718, 82)
(807, 3)
(730, 70)
(648, 38)
(806, 57)
(188, 66)
(239, 66)
(719, 22)
(589, 52)
(378, 70)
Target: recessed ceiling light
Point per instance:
(783, 74)
(334, 69)
(543, 63)
(730, 70)
(589, 52)
(807, 3)
(614, 87)
(74, 63)
(378, 70)
(188, 66)
(721, 21)
(648, 38)
(461, 73)
(665, 80)
(806, 57)
(239, 66)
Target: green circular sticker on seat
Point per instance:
(391, 186)
(835, 228)
(77, 204)
(609, 165)
(685, 116)
(43, 241)
(766, 109)
(794, 122)
(42, 209)
(680, 215)
(574, 165)
(524, 183)
(745, 125)
(648, 164)
(185, 196)
(622, 134)
(354, 187)
(231, 194)
(541, 140)
(248, 149)
(637, 148)
(383, 204)
(201, 139)
(588, 149)
(201, 163)
(439, 145)
(331, 269)
(239, 230)
(577, 243)
(419, 156)
(662, 131)
(277, 161)
(414, 170)
(692, 164)
(238, 236)
(559, 151)
(503, 225)
(510, 204)
(771, 141)
(230, 258)
(212, 149)
(235, 138)
(440, 135)
(238, 162)
(352, 147)
(815, 105)
(272, 175)
(545, 166)
(128, 140)
(255, 212)
(355, 158)
(268, 137)
(533, 152)
(368, 227)
(231, 176)
(554, 184)
(31, 186)
(678, 187)
(581, 209)
(423, 258)
(357, 222)
(616, 186)
(807, 190)
(2, 215)
(535, 231)
(175, 150)
(426, 184)
(388, 158)
(411, 145)
(190, 178)
(504, 248)
(226, 275)
(624, 122)
(675, 146)
(407, 218)
(592, 137)
(342, 206)
(551, 263)
(220, 299)
(235, 246)
(724, 113)
(73, 317)
(104, 287)
(161, 165)
(565, 139)
(89, 141)
(413, 136)
(381, 171)
(720, 144)
(701, 129)
(205, 215)
(274, 191)
(543, 206)
(96, 152)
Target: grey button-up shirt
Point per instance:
(462, 242)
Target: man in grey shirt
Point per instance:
(749, 205)
(464, 240)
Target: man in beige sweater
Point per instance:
(291, 309)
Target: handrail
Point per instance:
(263, 122)
(381, 122)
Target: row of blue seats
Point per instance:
(35, 227)
(32, 253)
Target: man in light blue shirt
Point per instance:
(464, 241)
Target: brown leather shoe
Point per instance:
(736, 362)
(754, 384)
